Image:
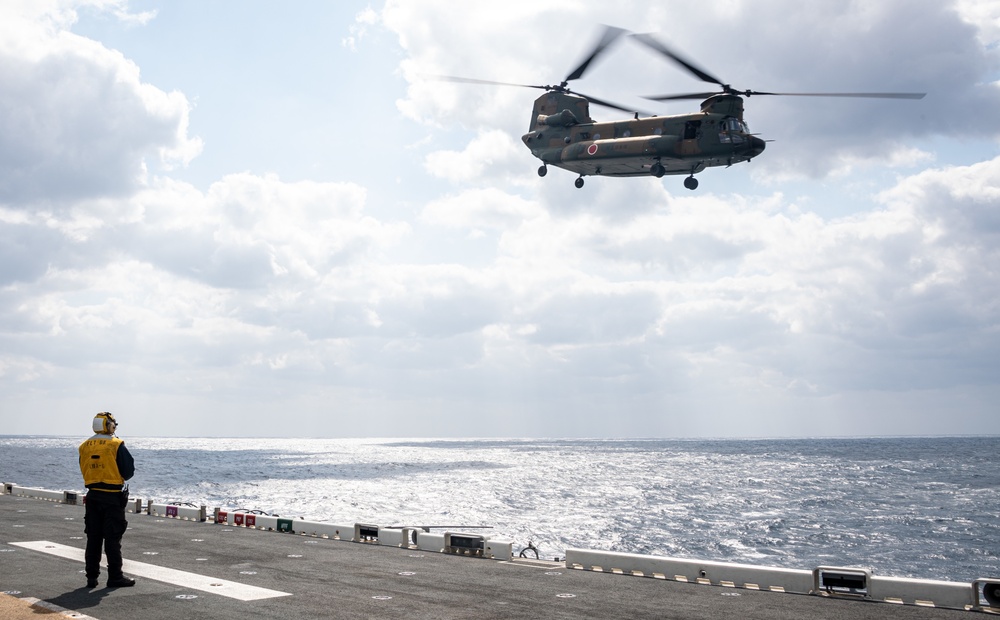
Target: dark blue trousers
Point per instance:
(104, 523)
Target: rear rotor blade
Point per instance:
(685, 96)
(608, 104)
(610, 35)
(464, 80)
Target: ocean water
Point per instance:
(906, 507)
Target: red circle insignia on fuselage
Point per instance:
(592, 149)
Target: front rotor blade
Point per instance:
(855, 95)
(700, 73)
(610, 35)
(751, 93)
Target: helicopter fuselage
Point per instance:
(564, 135)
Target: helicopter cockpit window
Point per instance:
(733, 131)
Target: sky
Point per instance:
(247, 218)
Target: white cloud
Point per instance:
(77, 122)
(560, 308)
(491, 153)
(774, 46)
(489, 208)
(359, 29)
(984, 16)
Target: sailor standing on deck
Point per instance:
(106, 464)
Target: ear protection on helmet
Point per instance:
(105, 423)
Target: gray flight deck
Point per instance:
(293, 576)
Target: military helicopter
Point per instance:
(563, 134)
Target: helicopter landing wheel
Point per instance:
(543, 170)
(691, 182)
(657, 170)
(578, 183)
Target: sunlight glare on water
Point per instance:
(916, 507)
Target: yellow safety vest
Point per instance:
(99, 463)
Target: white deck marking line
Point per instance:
(172, 576)
(51, 607)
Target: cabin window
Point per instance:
(691, 130)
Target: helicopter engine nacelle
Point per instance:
(559, 119)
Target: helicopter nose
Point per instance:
(756, 146)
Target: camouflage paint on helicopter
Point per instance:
(564, 135)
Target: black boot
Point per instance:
(121, 582)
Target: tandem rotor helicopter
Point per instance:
(562, 133)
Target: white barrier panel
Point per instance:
(394, 537)
(134, 506)
(323, 530)
(839, 581)
(430, 542)
(188, 513)
(52, 496)
(387, 536)
(694, 571)
(459, 543)
(73, 498)
(500, 549)
(260, 522)
(923, 592)
(845, 581)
